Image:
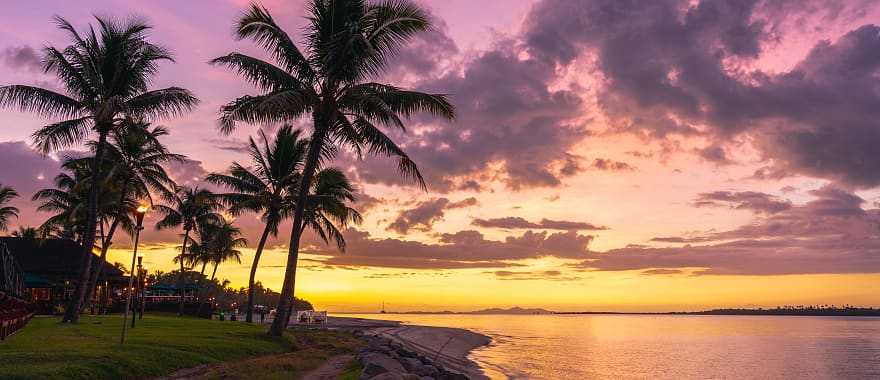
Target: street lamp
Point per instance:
(136, 289)
(139, 217)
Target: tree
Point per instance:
(106, 73)
(224, 244)
(68, 200)
(347, 43)
(191, 208)
(135, 156)
(28, 233)
(270, 186)
(266, 187)
(7, 212)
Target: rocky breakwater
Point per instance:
(389, 358)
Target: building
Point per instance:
(51, 269)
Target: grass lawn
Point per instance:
(159, 345)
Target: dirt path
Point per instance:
(331, 369)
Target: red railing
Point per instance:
(14, 314)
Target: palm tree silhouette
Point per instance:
(67, 201)
(136, 156)
(7, 212)
(29, 233)
(191, 208)
(269, 186)
(106, 74)
(225, 239)
(347, 43)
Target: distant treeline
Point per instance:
(796, 310)
(824, 310)
(842, 311)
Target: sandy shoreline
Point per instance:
(443, 345)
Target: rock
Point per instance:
(382, 360)
(427, 370)
(446, 375)
(411, 364)
(372, 370)
(426, 378)
(407, 354)
(395, 376)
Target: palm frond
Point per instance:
(40, 101)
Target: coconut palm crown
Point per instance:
(192, 209)
(106, 73)
(270, 185)
(347, 43)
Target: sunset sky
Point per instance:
(607, 155)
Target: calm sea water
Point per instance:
(669, 347)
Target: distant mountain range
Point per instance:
(784, 311)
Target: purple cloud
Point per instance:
(515, 222)
(676, 68)
(463, 249)
(424, 214)
(830, 234)
(745, 200)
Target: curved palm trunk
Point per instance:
(285, 303)
(180, 275)
(249, 311)
(71, 314)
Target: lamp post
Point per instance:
(139, 217)
(137, 289)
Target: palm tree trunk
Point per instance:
(180, 275)
(98, 268)
(71, 314)
(283, 310)
(213, 273)
(199, 282)
(249, 310)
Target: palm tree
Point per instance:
(136, 157)
(106, 74)
(224, 244)
(28, 233)
(327, 209)
(265, 187)
(191, 208)
(270, 185)
(7, 212)
(347, 42)
(68, 200)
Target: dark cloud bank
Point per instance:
(667, 68)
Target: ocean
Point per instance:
(668, 346)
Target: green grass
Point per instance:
(159, 345)
(352, 372)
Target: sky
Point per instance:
(606, 155)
